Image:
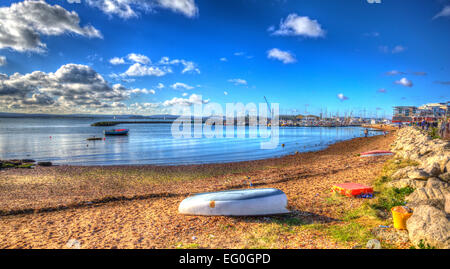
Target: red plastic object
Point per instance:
(377, 153)
(351, 189)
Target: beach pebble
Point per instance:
(373, 244)
(73, 243)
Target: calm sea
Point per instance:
(63, 141)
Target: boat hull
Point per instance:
(114, 132)
(252, 202)
(376, 153)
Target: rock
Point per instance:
(429, 225)
(373, 244)
(392, 236)
(402, 173)
(44, 163)
(28, 161)
(427, 196)
(436, 183)
(447, 203)
(407, 182)
(433, 169)
(418, 174)
(445, 177)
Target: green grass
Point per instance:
(187, 246)
(434, 133)
(391, 197)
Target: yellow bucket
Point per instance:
(400, 215)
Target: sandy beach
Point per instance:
(136, 206)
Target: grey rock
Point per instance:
(407, 182)
(447, 203)
(433, 169)
(429, 225)
(418, 174)
(445, 177)
(391, 235)
(427, 196)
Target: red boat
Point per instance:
(376, 153)
(116, 132)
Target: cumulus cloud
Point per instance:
(295, 25)
(139, 70)
(284, 56)
(116, 61)
(342, 97)
(160, 86)
(143, 91)
(71, 87)
(138, 58)
(144, 67)
(23, 23)
(2, 60)
(238, 81)
(192, 100)
(182, 86)
(131, 8)
(188, 66)
(445, 12)
(404, 82)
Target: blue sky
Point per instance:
(323, 54)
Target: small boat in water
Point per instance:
(116, 132)
(251, 202)
(374, 153)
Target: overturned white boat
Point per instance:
(251, 202)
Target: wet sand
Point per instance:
(136, 206)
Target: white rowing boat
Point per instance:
(251, 202)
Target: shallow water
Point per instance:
(63, 141)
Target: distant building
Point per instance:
(428, 112)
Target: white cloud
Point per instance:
(186, 7)
(143, 91)
(138, 58)
(396, 49)
(223, 59)
(394, 73)
(188, 66)
(2, 60)
(342, 97)
(238, 81)
(295, 25)
(225, 93)
(138, 70)
(445, 12)
(117, 60)
(23, 23)
(160, 86)
(192, 100)
(184, 94)
(284, 56)
(405, 82)
(180, 85)
(74, 1)
(72, 87)
(131, 8)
